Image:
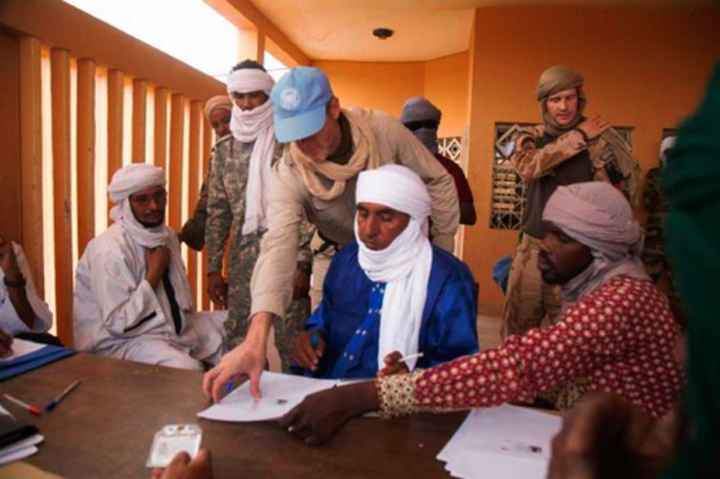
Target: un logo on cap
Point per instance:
(290, 99)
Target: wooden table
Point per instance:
(104, 429)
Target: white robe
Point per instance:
(10, 322)
(117, 313)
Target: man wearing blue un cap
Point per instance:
(326, 147)
(300, 103)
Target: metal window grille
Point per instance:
(508, 190)
(451, 147)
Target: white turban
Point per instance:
(665, 146)
(397, 187)
(130, 180)
(405, 264)
(254, 125)
(246, 80)
(597, 215)
(133, 178)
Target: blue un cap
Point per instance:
(299, 100)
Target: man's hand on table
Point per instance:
(322, 414)
(244, 362)
(182, 467)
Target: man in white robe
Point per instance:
(132, 297)
(22, 311)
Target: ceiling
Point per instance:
(424, 29)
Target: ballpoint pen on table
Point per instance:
(31, 408)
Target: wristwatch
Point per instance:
(18, 283)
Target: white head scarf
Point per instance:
(665, 146)
(597, 215)
(405, 264)
(130, 180)
(254, 125)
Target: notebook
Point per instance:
(28, 356)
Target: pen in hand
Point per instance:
(410, 356)
(395, 364)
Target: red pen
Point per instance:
(31, 408)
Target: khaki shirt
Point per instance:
(532, 163)
(290, 201)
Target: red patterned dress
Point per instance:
(620, 337)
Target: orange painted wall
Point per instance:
(380, 86)
(644, 68)
(10, 179)
(386, 85)
(446, 86)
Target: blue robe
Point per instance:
(349, 316)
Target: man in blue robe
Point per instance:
(391, 293)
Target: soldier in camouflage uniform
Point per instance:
(653, 256)
(567, 148)
(654, 249)
(229, 182)
(217, 112)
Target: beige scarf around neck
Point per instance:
(364, 157)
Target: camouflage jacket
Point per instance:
(610, 155)
(656, 207)
(226, 201)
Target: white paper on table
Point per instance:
(24, 444)
(21, 347)
(502, 442)
(18, 454)
(280, 393)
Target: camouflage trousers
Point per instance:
(243, 257)
(529, 301)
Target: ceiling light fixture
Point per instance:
(383, 33)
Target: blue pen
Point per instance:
(52, 404)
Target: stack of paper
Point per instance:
(505, 442)
(27, 355)
(20, 348)
(20, 449)
(280, 393)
